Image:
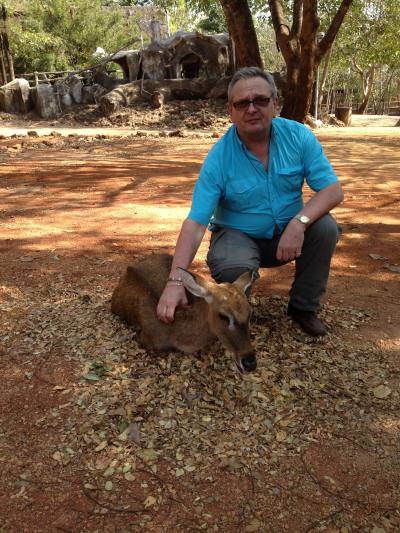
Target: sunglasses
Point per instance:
(258, 101)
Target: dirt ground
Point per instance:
(97, 435)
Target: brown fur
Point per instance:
(196, 325)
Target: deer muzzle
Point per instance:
(248, 363)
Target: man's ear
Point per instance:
(196, 285)
(229, 108)
(277, 105)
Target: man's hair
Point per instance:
(252, 72)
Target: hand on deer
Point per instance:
(172, 296)
(291, 242)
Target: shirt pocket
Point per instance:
(243, 195)
(290, 179)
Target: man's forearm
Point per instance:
(322, 202)
(188, 243)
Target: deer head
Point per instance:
(229, 314)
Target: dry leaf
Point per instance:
(148, 455)
(149, 501)
(134, 432)
(382, 392)
(254, 525)
(281, 436)
(57, 456)
(101, 446)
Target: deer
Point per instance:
(214, 311)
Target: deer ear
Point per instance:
(246, 280)
(196, 285)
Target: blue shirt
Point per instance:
(234, 190)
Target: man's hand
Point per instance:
(172, 296)
(291, 242)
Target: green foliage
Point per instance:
(214, 20)
(370, 35)
(272, 58)
(63, 34)
(180, 16)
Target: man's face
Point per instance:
(254, 119)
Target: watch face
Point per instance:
(303, 219)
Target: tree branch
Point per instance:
(282, 30)
(310, 21)
(297, 18)
(333, 29)
(356, 67)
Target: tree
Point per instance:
(6, 57)
(302, 50)
(270, 55)
(214, 20)
(243, 33)
(371, 42)
(240, 26)
(53, 35)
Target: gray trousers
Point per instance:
(232, 252)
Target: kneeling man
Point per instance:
(249, 192)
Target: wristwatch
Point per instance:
(303, 219)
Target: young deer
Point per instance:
(220, 311)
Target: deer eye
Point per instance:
(223, 317)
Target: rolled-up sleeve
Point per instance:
(318, 170)
(206, 195)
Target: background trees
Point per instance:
(52, 35)
(369, 46)
(358, 52)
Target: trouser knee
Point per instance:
(229, 275)
(325, 230)
(231, 254)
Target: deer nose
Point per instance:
(249, 362)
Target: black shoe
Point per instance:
(308, 321)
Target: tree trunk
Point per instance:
(242, 32)
(324, 77)
(302, 51)
(6, 44)
(367, 80)
(344, 115)
(3, 72)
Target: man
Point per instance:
(250, 188)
